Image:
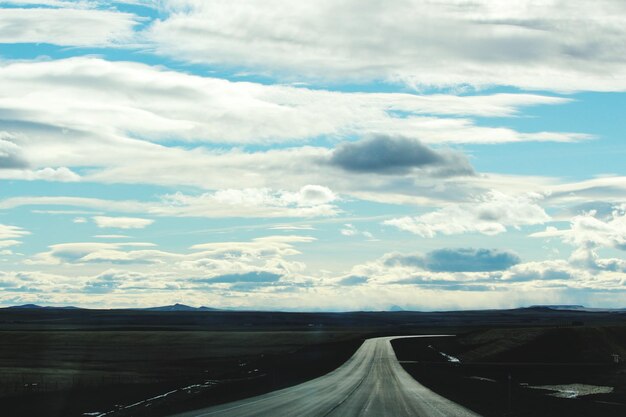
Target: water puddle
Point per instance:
(572, 390)
(449, 358)
(482, 378)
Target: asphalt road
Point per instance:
(370, 383)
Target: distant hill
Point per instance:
(179, 307)
(26, 306)
(576, 308)
(35, 306)
(394, 308)
(173, 307)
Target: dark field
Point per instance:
(70, 373)
(529, 357)
(57, 362)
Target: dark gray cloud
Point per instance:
(11, 156)
(457, 260)
(353, 280)
(470, 260)
(250, 277)
(398, 155)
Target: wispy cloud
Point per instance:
(489, 214)
(67, 25)
(9, 235)
(427, 154)
(122, 222)
(440, 44)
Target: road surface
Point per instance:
(370, 383)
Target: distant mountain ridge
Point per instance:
(35, 306)
(173, 307)
(179, 307)
(560, 306)
(575, 307)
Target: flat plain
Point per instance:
(57, 362)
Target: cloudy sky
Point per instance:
(332, 154)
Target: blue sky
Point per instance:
(336, 155)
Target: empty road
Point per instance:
(370, 383)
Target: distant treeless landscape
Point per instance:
(68, 362)
(323, 208)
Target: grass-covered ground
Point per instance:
(49, 373)
(498, 367)
(66, 363)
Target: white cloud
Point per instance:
(291, 227)
(225, 274)
(122, 222)
(265, 254)
(102, 119)
(9, 235)
(77, 4)
(104, 98)
(309, 201)
(61, 174)
(574, 45)
(280, 244)
(210, 257)
(550, 270)
(66, 26)
(9, 232)
(589, 233)
(274, 171)
(348, 230)
(230, 266)
(10, 242)
(130, 206)
(498, 273)
(567, 275)
(489, 214)
(97, 121)
(608, 188)
(89, 252)
(313, 195)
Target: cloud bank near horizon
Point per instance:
(259, 154)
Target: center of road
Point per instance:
(371, 383)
